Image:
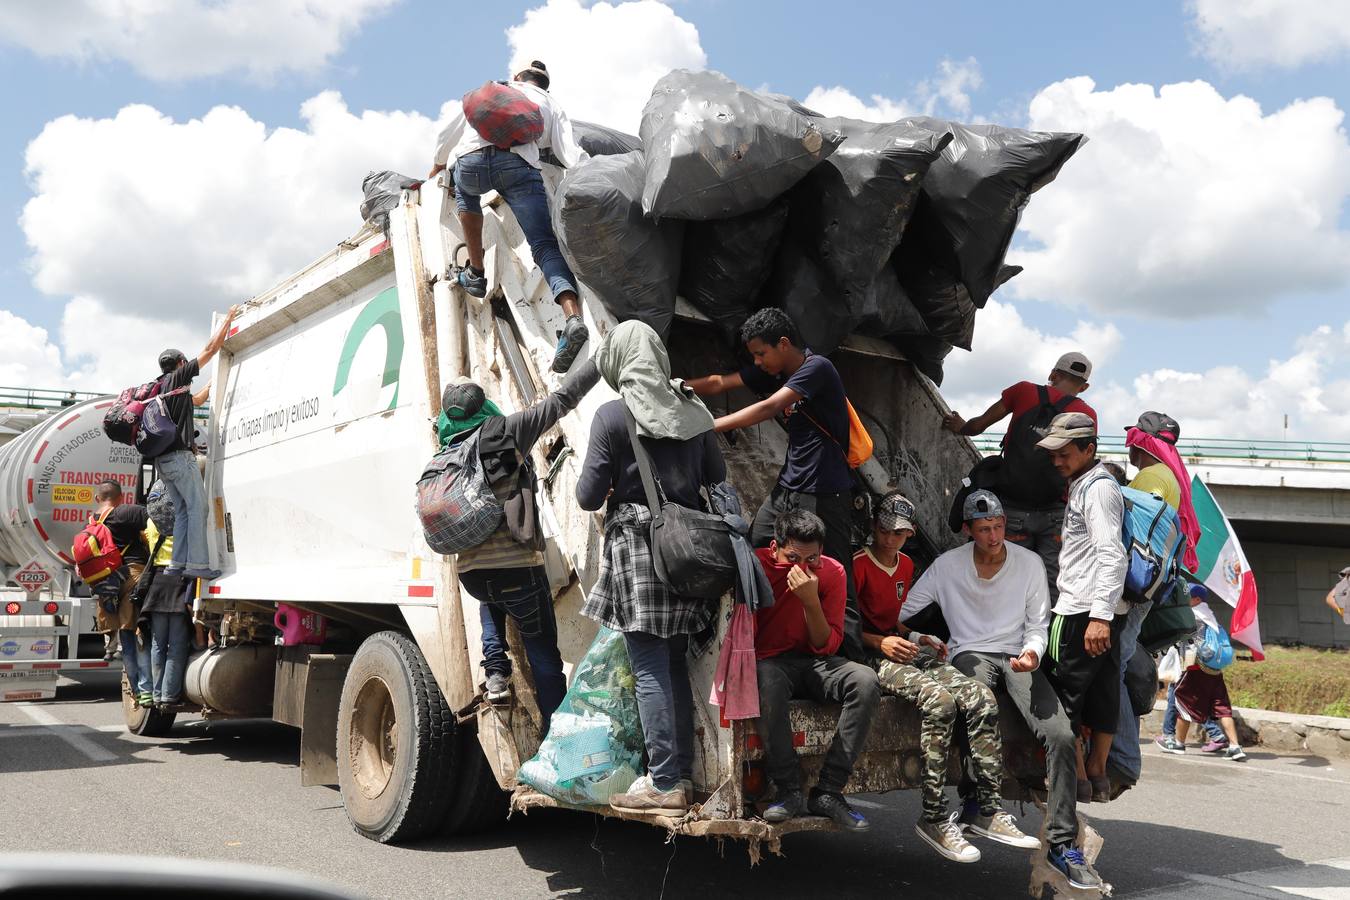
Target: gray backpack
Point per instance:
(454, 501)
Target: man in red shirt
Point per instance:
(1031, 491)
(796, 641)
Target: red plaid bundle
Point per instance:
(503, 116)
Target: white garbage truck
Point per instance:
(323, 406)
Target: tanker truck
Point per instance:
(324, 401)
(47, 479)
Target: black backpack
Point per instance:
(1026, 477)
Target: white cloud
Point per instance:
(30, 359)
(947, 93)
(1185, 203)
(603, 59)
(1249, 34)
(177, 39)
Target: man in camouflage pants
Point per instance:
(911, 666)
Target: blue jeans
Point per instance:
(183, 482)
(171, 639)
(522, 594)
(1125, 754)
(522, 187)
(665, 705)
(1211, 727)
(136, 663)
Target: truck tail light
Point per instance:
(51, 608)
(11, 608)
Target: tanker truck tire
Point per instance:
(146, 722)
(396, 742)
(479, 803)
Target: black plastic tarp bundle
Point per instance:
(629, 261)
(597, 140)
(727, 261)
(716, 150)
(382, 191)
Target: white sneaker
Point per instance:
(945, 837)
(1000, 827)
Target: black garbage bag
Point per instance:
(944, 303)
(598, 140)
(973, 196)
(803, 290)
(886, 310)
(727, 261)
(627, 260)
(925, 353)
(850, 211)
(716, 150)
(382, 191)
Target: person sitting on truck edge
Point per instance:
(1033, 498)
(912, 667)
(126, 521)
(994, 599)
(177, 466)
(1090, 613)
(796, 642)
(506, 572)
(815, 476)
(676, 430)
(478, 167)
(164, 610)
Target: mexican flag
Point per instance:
(1223, 567)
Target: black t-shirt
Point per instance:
(180, 407)
(815, 464)
(126, 523)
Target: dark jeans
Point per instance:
(1039, 705)
(1039, 530)
(170, 644)
(836, 511)
(665, 705)
(824, 679)
(523, 595)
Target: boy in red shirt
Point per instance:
(912, 666)
(796, 641)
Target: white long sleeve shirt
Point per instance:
(1092, 559)
(459, 138)
(1007, 614)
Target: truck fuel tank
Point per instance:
(234, 681)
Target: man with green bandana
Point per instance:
(506, 572)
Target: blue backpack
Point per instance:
(1215, 652)
(1153, 542)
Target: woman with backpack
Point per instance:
(675, 430)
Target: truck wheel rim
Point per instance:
(374, 738)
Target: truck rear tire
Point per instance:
(479, 803)
(396, 746)
(145, 721)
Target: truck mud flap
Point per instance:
(508, 737)
(306, 695)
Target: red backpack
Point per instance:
(95, 552)
(122, 422)
(503, 116)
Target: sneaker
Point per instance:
(1101, 788)
(173, 572)
(1215, 746)
(475, 285)
(208, 574)
(1235, 754)
(645, 797)
(1171, 745)
(789, 805)
(834, 806)
(498, 687)
(945, 837)
(1001, 827)
(1084, 791)
(571, 339)
(1069, 860)
(145, 699)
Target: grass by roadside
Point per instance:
(1304, 680)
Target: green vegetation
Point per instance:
(1293, 679)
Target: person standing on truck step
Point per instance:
(506, 572)
(126, 522)
(676, 430)
(165, 611)
(478, 167)
(994, 599)
(911, 666)
(796, 644)
(177, 466)
(807, 390)
(1031, 491)
(1090, 613)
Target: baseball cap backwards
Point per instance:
(981, 504)
(1066, 427)
(169, 360)
(1075, 364)
(895, 513)
(1160, 425)
(462, 398)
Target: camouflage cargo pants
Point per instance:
(940, 692)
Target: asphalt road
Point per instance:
(71, 779)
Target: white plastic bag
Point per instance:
(1169, 667)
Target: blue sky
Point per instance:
(416, 55)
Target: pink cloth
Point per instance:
(735, 687)
(1167, 454)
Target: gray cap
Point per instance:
(463, 397)
(1075, 364)
(1066, 427)
(981, 504)
(895, 513)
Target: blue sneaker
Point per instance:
(834, 806)
(207, 574)
(570, 341)
(789, 806)
(475, 285)
(1069, 860)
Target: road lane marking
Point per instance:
(65, 731)
(20, 729)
